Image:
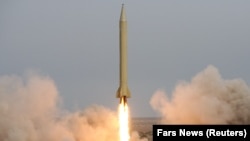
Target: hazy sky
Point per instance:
(76, 43)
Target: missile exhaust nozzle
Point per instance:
(123, 100)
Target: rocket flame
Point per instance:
(123, 121)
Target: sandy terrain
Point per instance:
(144, 126)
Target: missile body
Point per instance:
(123, 91)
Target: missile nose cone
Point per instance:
(123, 14)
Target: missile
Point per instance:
(123, 92)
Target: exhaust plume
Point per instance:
(29, 112)
(207, 99)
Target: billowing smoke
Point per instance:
(207, 99)
(29, 111)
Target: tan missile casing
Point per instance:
(123, 91)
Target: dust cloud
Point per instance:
(30, 108)
(206, 99)
(29, 111)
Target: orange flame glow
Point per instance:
(123, 121)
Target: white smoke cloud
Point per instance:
(29, 112)
(207, 99)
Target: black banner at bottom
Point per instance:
(201, 132)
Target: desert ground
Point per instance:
(144, 126)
